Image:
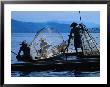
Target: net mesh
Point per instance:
(46, 43)
(89, 44)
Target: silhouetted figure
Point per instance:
(26, 52)
(76, 30)
(80, 18)
(44, 46)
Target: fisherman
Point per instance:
(26, 52)
(43, 46)
(76, 30)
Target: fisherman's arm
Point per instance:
(20, 51)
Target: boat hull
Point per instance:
(78, 65)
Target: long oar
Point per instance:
(14, 53)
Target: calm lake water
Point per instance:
(17, 38)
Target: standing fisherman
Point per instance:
(76, 30)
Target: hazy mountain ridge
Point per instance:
(30, 27)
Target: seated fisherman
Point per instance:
(26, 52)
(43, 48)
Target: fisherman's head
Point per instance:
(24, 43)
(73, 25)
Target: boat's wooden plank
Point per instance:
(62, 65)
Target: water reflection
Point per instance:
(26, 74)
(55, 74)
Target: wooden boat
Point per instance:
(80, 64)
(83, 62)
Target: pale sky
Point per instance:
(59, 16)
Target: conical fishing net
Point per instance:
(90, 47)
(88, 43)
(46, 44)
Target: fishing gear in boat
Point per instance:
(46, 40)
(14, 53)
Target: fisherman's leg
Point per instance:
(76, 50)
(68, 43)
(67, 47)
(82, 49)
(67, 51)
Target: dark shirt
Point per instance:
(77, 37)
(25, 49)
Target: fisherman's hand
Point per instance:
(18, 57)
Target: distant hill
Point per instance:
(30, 27)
